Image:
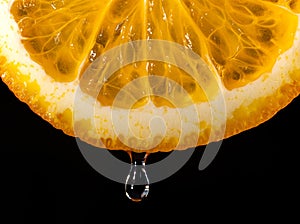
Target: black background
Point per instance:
(45, 177)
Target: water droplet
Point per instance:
(137, 182)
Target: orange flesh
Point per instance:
(240, 39)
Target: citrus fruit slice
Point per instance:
(151, 75)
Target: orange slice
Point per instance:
(151, 75)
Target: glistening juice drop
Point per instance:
(137, 182)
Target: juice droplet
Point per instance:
(137, 182)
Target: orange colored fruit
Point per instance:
(151, 75)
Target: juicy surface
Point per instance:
(239, 39)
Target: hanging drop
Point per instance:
(137, 182)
